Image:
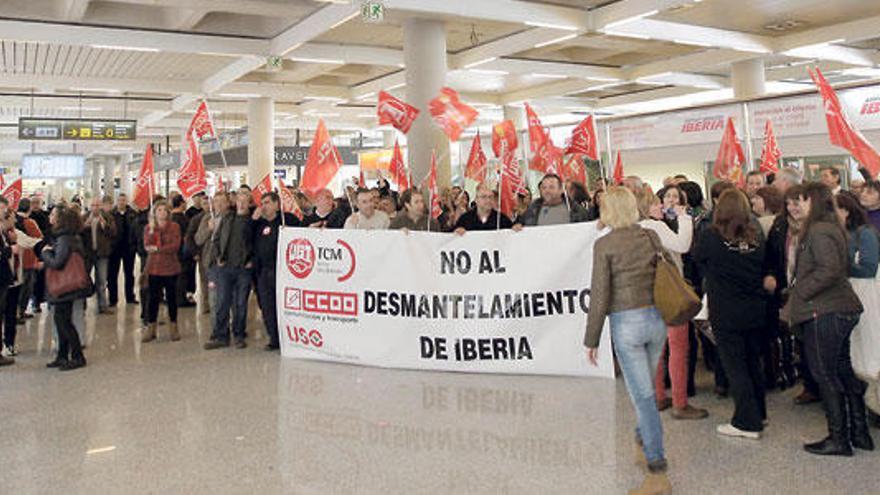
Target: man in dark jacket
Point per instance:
(552, 208)
(39, 215)
(123, 254)
(231, 265)
(267, 222)
(6, 274)
(141, 220)
(325, 214)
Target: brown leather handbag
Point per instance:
(71, 278)
(674, 297)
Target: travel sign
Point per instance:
(39, 129)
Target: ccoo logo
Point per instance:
(300, 258)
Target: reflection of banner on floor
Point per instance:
(490, 302)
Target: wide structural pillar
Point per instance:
(109, 175)
(424, 53)
(261, 139)
(748, 78)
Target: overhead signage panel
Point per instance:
(38, 129)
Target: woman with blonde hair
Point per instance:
(624, 262)
(162, 242)
(677, 241)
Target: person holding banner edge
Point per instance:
(267, 220)
(622, 289)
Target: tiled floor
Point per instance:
(170, 418)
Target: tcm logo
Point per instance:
(305, 338)
(703, 125)
(871, 106)
(314, 301)
(337, 259)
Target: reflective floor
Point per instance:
(171, 418)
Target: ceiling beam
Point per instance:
(688, 34)
(73, 10)
(513, 11)
(42, 32)
(567, 69)
(847, 31)
(323, 53)
(265, 8)
(56, 83)
(641, 96)
(313, 26)
(686, 63)
(508, 45)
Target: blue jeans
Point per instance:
(233, 286)
(101, 266)
(638, 336)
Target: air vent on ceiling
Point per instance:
(786, 25)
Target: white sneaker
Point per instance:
(732, 431)
(11, 351)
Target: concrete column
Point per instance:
(388, 138)
(748, 78)
(261, 139)
(424, 53)
(126, 174)
(95, 169)
(517, 114)
(109, 174)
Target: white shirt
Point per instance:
(676, 243)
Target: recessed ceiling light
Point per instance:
(557, 40)
(126, 48)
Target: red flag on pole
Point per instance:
(512, 184)
(219, 187)
(396, 112)
(840, 129)
(288, 200)
(322, 164)
(191, 178)
(547, 158)
(398, 169)
(2, 182)
(583, 139)
(537, 134)
(436, 210)
(504, 139)
(729, 162)
(476, 164)
(13, 194)
(771, 153)
(450, 114)
(262, 188)
(201, 123)
(145, 185)
(618, 171)
(574, 170)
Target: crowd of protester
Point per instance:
(773, 257)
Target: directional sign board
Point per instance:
(76, 129)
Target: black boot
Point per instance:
(837, 441)
(858, 422)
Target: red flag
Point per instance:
(618, 171)
(574, 170)
(547, 157)
(262, 188)
(361, 181)
(841, 131)
(504, 139)
(2, 182)
(398, 169)
(13, 194)
(451, 114)
(476, 164)
(288, 200)
(537, 134)
(145, 185)
(436, 210)
(191, 178)
(771, 153)
(201, 123)
(729, 162)
(583, 139)
(323, 162)
(512, 183)
(396, 112)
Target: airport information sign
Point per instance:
(38, 129)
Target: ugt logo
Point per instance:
(300, 258)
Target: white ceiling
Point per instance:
(153, 59)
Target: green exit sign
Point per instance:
(372, 12)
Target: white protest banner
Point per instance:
(490, 302)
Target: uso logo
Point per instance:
(300, 258)
(305, 338)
